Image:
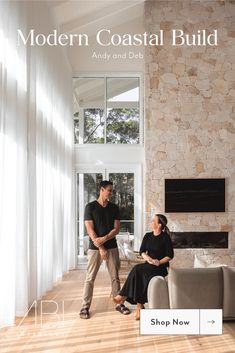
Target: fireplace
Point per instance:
(204, 240)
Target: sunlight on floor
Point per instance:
(62, 331)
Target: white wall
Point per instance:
(99, 155)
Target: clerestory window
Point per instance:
(107, 110)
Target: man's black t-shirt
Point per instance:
(103, 219)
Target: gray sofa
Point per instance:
(195, 288)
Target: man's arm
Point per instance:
(90, 230)
(99, 241)
(92, 234)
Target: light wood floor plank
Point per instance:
(107, 331)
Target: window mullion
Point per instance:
(125, 109)
(81, 126)
(105, 110)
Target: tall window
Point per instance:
(107, 110)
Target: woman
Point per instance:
(157, 251)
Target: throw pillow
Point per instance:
(199, 263)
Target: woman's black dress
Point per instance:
(136, 285)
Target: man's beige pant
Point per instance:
(94, 262)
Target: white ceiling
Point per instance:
(89, 92)
(85, 16)
(89, 16)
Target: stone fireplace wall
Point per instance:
(190, 115)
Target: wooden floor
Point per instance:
(107, 331)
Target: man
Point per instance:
(102, 222)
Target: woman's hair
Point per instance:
(163, 221)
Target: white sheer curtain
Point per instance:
(37, 242)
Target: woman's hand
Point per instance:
(155, 262)
(150, 260)
(146, 257)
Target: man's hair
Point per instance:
(105, 183)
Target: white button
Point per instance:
(181, 321)
(169, 321)
(211, 322)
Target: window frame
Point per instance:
(141, 108)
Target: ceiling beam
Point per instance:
(110, 16)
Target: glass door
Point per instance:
(127, 195)
(123, 196)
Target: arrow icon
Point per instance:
(212, 321)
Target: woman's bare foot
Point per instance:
(138, 308)
(119, 299)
